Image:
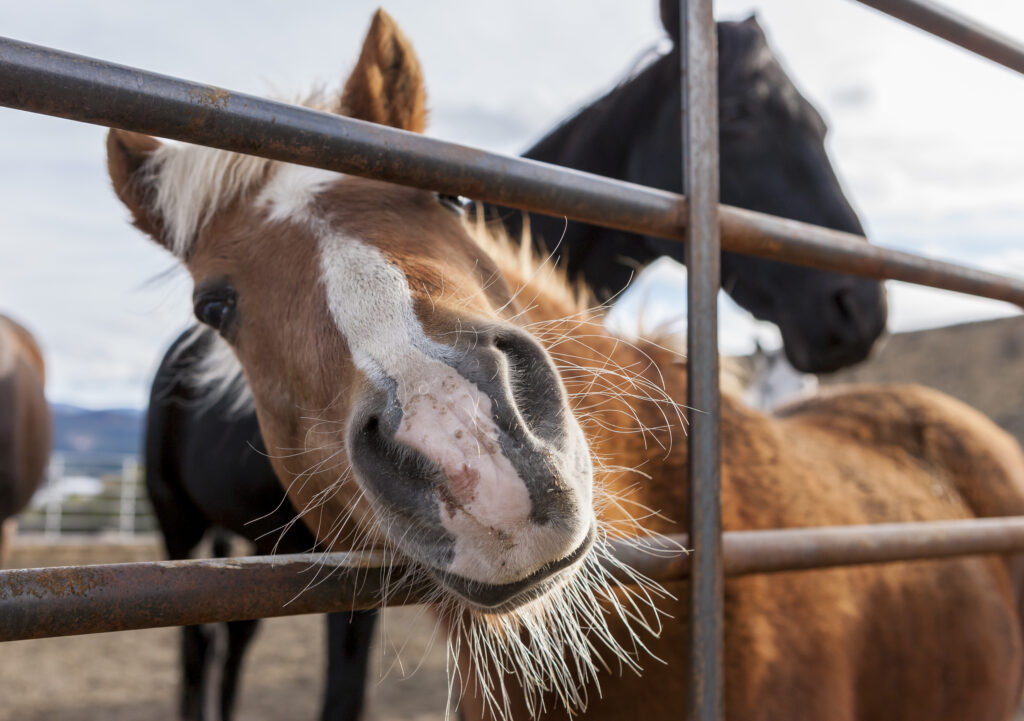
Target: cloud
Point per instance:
(851, 97)
(925, 137)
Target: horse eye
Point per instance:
(452, 202)
(216, 308)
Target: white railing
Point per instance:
(90, 494)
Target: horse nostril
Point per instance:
(503, 344)
(529, 385)
(850, 314)
(844, 304)
(371, 426)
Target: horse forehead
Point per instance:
(381, 253)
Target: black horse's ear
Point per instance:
(127, 155)
(669, 11)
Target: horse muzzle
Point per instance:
(834, 329)
(477, 467)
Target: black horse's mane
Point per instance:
(743, 55)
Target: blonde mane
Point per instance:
(189, 184)
(536, 275)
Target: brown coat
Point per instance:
(25, 433)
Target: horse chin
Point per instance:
(807, 359)
(506, 597)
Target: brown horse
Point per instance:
(427, 388)
(25, 432)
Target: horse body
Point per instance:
(25, 432)
(429, 390)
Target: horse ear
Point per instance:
(669, 12)
(127, 153)
(386, 86)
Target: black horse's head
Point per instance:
(773, 160)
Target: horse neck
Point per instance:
(599, 138)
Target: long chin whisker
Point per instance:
(552, 651)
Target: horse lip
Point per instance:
(499, 598)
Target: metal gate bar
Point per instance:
(70, 86)
(957, 29)
(45, 602)
(698, 58)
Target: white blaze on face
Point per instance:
(485, 505)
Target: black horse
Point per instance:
(207, 470)
(772, 160)
(206, 464)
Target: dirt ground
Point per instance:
(133, 675)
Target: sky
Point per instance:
(924, 136)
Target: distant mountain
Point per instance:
(81, 430)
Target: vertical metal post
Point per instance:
(129, 488)
(55, 506)
(699, 70)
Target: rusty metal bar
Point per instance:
(39, 603)
(955, 28)
(747, 553)
(698, 60)
(70, 86)
(778, 550)
(767, 236)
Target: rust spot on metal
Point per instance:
(47, 583)
(215, 98)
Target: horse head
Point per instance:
(772, 160)
(773, 157)
(403, 405)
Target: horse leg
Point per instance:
(183, 527)
(349, 637)
(8, 529)
(195, 645)
(231, 642)
(212, 657)
(239, 635)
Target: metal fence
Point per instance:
(90, 494)
(49, 602)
